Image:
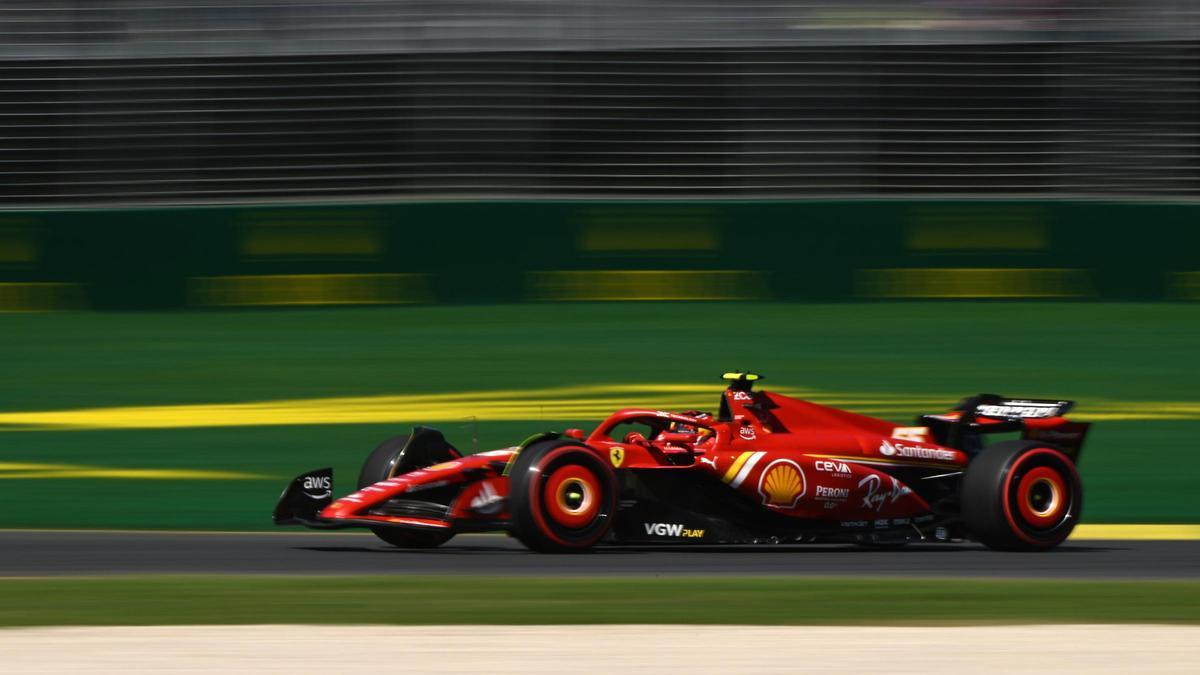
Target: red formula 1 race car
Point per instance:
(765, 469)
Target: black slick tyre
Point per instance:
(1021, 496)
(563, 497)
(394, 457)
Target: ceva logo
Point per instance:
(832, 467)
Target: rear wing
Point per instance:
(1036, 419)
(1021, 408)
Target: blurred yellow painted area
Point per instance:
(975, 238)
(41, 297)
(308, 240)
(547, 404)
(624, 229)
(1085, 531)
(973, 283)
(1185, 286)
(665, 237)
(565, 403)
(309, 289)
(27, 471)
(18, 245)
(968, 227)
(650, 285)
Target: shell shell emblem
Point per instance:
(782, 484)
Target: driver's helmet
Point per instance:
(684, 428)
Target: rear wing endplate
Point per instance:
(1035, 419)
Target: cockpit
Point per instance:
(677, 438)
(674, 437)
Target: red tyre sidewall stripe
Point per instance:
(554, 483)
(535, 494)
(1008, 514)
(1060, 489)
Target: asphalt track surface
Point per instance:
(76, 553)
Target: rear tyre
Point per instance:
(392, 459)
(563, 497)
(1021, 496)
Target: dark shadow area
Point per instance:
(797, 549)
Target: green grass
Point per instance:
(487, 600)
(1135, 351)
(1134, 471)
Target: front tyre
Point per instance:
(1021, 496)
(563, 497)
(397, 456)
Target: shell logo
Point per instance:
(782, 484)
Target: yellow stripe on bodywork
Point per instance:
(736, 466)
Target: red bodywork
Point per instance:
(790, 457)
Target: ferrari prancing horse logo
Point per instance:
(617, 455)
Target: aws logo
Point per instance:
(318, 487)
(782, 484)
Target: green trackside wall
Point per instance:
(480, 252)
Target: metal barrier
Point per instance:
(56, 29)
(202, 101)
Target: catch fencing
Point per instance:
(129, 102)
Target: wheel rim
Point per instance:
(1042, 497)
(572, 496)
